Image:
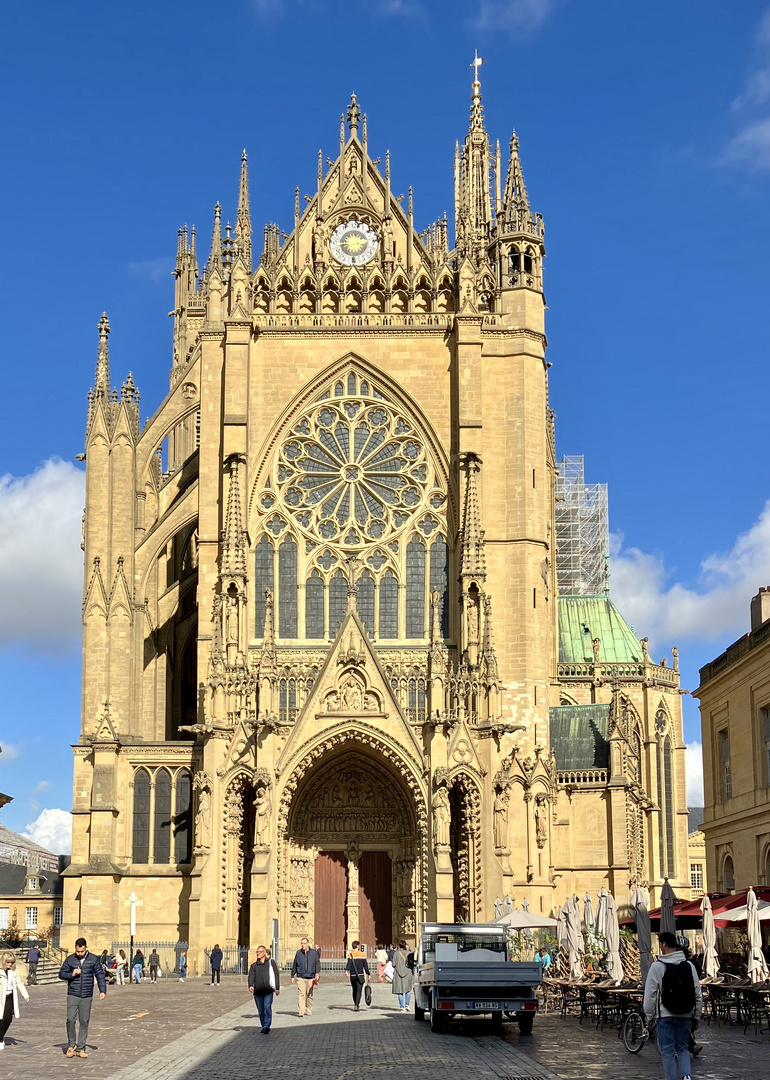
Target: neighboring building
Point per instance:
(15, 848)
(696, 851)
(734, 695)
(31, 902)
(329, 684)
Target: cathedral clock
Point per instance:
(353, 243)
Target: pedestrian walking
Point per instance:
(381, 956)
(264, 981)
(216, 965)
(11, 987)
(121, 964)
(79, 971)
(402, 976)
(138, 965)
(104, 958)
(673, 998)
(153, 963)
(33, 959)
(305, 972)
(182, 967)
(358, 969)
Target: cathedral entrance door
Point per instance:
(331, 894)
(375, 898)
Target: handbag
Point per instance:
(368, 994)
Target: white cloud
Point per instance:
(9, 753)
(693, 765)
(154, 271)
(669, 612)
(750, 148)
(52, 829)
(41, 564)
(512, 14)
(42, 786)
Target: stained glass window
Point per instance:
(416, 710)
(388, 605)
(338, 601)
(669, 804)
(365, 600)
(415, 589)
(287, 700)
(314, 606)
(439, 579)
(263, 579)
(162, 823)
(287, 589)
(183, 818)
(141, 847)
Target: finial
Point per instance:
(243, 217)
(102, 379)
(477, 112)
(215, 258)
(354, 114)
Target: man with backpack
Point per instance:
(672, 999)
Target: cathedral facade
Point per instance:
(331, 685)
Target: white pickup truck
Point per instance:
(463, 969)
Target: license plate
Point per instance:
(495, 1005)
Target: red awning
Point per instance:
(690, 917)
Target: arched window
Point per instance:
(668, 789)
(263, 580)
(416, 708)
(666, 817)
(314, 606)
(338, 601)
(728, 874)
(141, 838)
(287, 589)
(162, 823)
(183, 818)
(388, 605)
(415, 588)
(439, 555)
(287, 700)
(514, 261)
(351, 384)
(528, 261)
(365, 601)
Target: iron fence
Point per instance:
(235, 960)
(168, 951)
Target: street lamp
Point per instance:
(133, 931)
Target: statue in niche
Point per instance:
(370, 703)
(501, 820)
(441, 817)
(541, 820)
(498, 908)
(387, 239)
(333, 703)
(319, 241)
(232, 620)
(352, 698)
(262, 813)
(203, 820)
(368, 796)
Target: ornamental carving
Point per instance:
(352, 696)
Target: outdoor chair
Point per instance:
(722, 1001)
(755, 1008)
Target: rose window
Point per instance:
(352, 472)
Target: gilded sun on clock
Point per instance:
(353, 243)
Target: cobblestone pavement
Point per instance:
(580, 1052)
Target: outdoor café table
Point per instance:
(619, 1001)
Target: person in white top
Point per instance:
(10, 988)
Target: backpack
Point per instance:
(678, 989)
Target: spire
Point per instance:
(473, 209)
(473, 562)
(102, 378)
(354, 115)
(477, 109)
(515, 208)
(234, 553)
(243, 218)
(215, 258)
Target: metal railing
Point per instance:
(168, 951)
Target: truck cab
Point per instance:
(462, 969)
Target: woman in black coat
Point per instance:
(358, 970)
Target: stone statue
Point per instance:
(203, 820)
(441, 814)
(262, 813)
(541, 820)
(501, 820)
(319, 241)
(507, 904)
(387, 240)
(498, 907)
(596, 644)
(232, 620)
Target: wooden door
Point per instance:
(331, 894)
(375, 898)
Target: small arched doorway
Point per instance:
(353, 861)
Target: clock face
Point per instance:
(353, 243)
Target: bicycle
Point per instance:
(635, 1031)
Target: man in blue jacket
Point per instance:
(79, 972)
(216, 965)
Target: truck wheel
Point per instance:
(525, 1025)
(436, 1021)
(419, 1014)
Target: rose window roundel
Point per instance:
(352, 471)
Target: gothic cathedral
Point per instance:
(333, 681)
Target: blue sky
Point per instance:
(645, 135)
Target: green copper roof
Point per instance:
(579, 736)
(583, 618)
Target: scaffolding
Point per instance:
(582, 532)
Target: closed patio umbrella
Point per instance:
(601, 913)
(572, 944)
(524, 920)
(561, 929)
(612, 938)
(589, 919)
(667, 917)
(757, 967)
(710, 961)
(640, 906)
